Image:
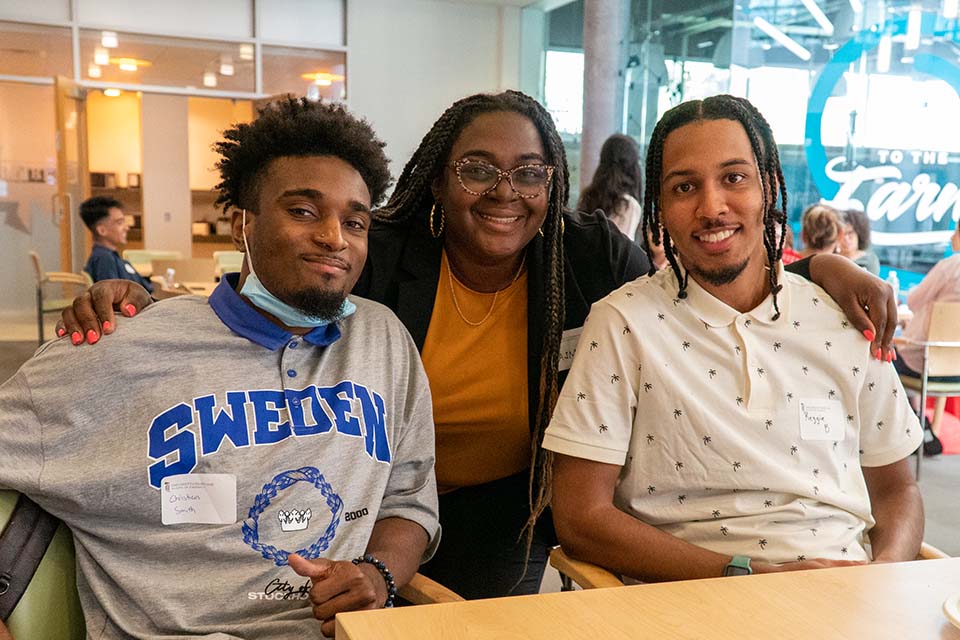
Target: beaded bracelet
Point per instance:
(387, 576)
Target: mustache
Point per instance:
(329, 259)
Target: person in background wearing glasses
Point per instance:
(493, 276)
(104, 217)
(855, 240)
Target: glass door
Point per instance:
(73, 183)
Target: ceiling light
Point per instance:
(246, 52)
(789, 43)
(109, 39)
(112, 93)
(322, 78)
(226, 66)
(857, 6)
(94, 71)
(101, 56)
(209, 79)
(830, 46)
(914, 19)
(819, 16)
(950, 8)
(704, 44)
(130, 64)
(883, 53)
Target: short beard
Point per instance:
(322, 303)
(720, 277)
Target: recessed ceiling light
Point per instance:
(112, 93)
(246, 52)
(209, 79)
(94, 71)
(109, 39)
(101, 56)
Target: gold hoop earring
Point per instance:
(540, 231)
(436, 233)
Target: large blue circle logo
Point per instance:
(823, 170)
(293, 518)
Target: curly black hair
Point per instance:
(720, 107)
(297, 127)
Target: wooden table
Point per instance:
(897, 601)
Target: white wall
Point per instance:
(411, 60)
(166, 173)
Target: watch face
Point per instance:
(733, 570)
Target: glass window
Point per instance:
(311, 72)
(862, 98)
(30, 50)
(171, 62)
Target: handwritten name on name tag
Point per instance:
(199, 498)
(568, 347)
(821, 420)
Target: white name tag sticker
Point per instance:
(199, 498)
(568, 347)
(129, 268)
(821, 420)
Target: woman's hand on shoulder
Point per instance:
(867, 300)
(92, 312)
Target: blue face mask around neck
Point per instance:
(254, 291)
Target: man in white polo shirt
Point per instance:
(751, 431)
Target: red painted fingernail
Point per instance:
(894, 355)
(889, 356)
(878, 354)
(61, 332)
(130, 309)
(107, 326)
(76, 337)
(869, 335)
(92, 336)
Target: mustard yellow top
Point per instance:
(478, 378)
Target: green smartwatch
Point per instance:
(738, 566)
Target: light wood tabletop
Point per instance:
(900, 601)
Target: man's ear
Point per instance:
(236, 229)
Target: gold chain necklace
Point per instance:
(493, 304)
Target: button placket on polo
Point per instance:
(290, 361)
(758, 394)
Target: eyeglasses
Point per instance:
(480, 178)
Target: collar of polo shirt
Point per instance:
(716, 313)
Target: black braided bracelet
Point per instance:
(387, 576)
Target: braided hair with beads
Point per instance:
(720, 107)
(412, 199)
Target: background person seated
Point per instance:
(855, 240)
(819, 230)
(104, 217)
(752, 431)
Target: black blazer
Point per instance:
(403, 267)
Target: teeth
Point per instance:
(716, 237)
(498, 219)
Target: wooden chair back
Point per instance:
(944, 327)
